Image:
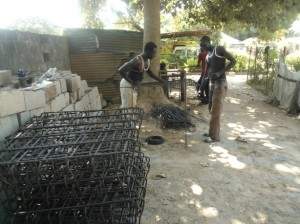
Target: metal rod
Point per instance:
(75, 167)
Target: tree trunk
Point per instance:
(151, 92)
(152, 30)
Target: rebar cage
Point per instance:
(75, 167)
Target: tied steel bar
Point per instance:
(171, 116)
(75, 167)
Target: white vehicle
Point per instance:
(186, 52)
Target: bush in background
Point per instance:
(293, 61)
(172, 60)
(191, 64)
(241, 63)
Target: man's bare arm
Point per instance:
(222, 51)
(151, 74)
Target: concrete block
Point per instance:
(94, 99)
(298, 98)
(103, 101)
(79, 106)
(11, 102)
(73, 97)
(8, 125)
(70, 107)
(58, 103)
(66, 72)
(84, 86)
(67, 98)
(5, 77)
(80, 93)
(36, 112)
(86, 102)
(63, 85)
(73, 83)
(24, 117)
(47, 108)
(58, 87)
(34, 99)
(50, 91)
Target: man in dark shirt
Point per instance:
(217, 68)
(132, 74)
(203, 83)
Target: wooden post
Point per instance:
(182, 86)
(249, 63)
(267, 68)
(256, 54)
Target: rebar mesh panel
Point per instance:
(75, 167)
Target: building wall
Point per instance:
(33, 52)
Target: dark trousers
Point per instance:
(203, 88)
(218, 91)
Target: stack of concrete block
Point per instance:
(12, 102)
(64, 93)
(5, 77)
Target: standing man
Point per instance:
(217, 68)
(132, 74)
(203, 82)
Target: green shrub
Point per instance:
(191, 64)
(172, 59)
(241, 63)
(294, 61)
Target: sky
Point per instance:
(296, 26)
(63, 13)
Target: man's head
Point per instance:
(150, 50)
(205, 42)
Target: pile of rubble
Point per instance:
(54, 91)
(75, 167)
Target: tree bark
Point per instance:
(151, 92)
(152, 31)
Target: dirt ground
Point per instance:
(251, 176)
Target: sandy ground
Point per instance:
(231, 182)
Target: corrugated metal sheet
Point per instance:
(96, 67)
(90, 40)
(96, 55)
(100, 69)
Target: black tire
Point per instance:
(155, 140)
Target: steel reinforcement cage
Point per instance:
(75, 167)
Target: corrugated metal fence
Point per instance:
(96, 55)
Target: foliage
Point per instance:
(264, 17)
(263, 61)
(172, 59)
(89, 11)
(267, 16)
(135, 17)
(36, 25)
(241, 63)
(191, 64)
(262, 70)
(294, 61)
